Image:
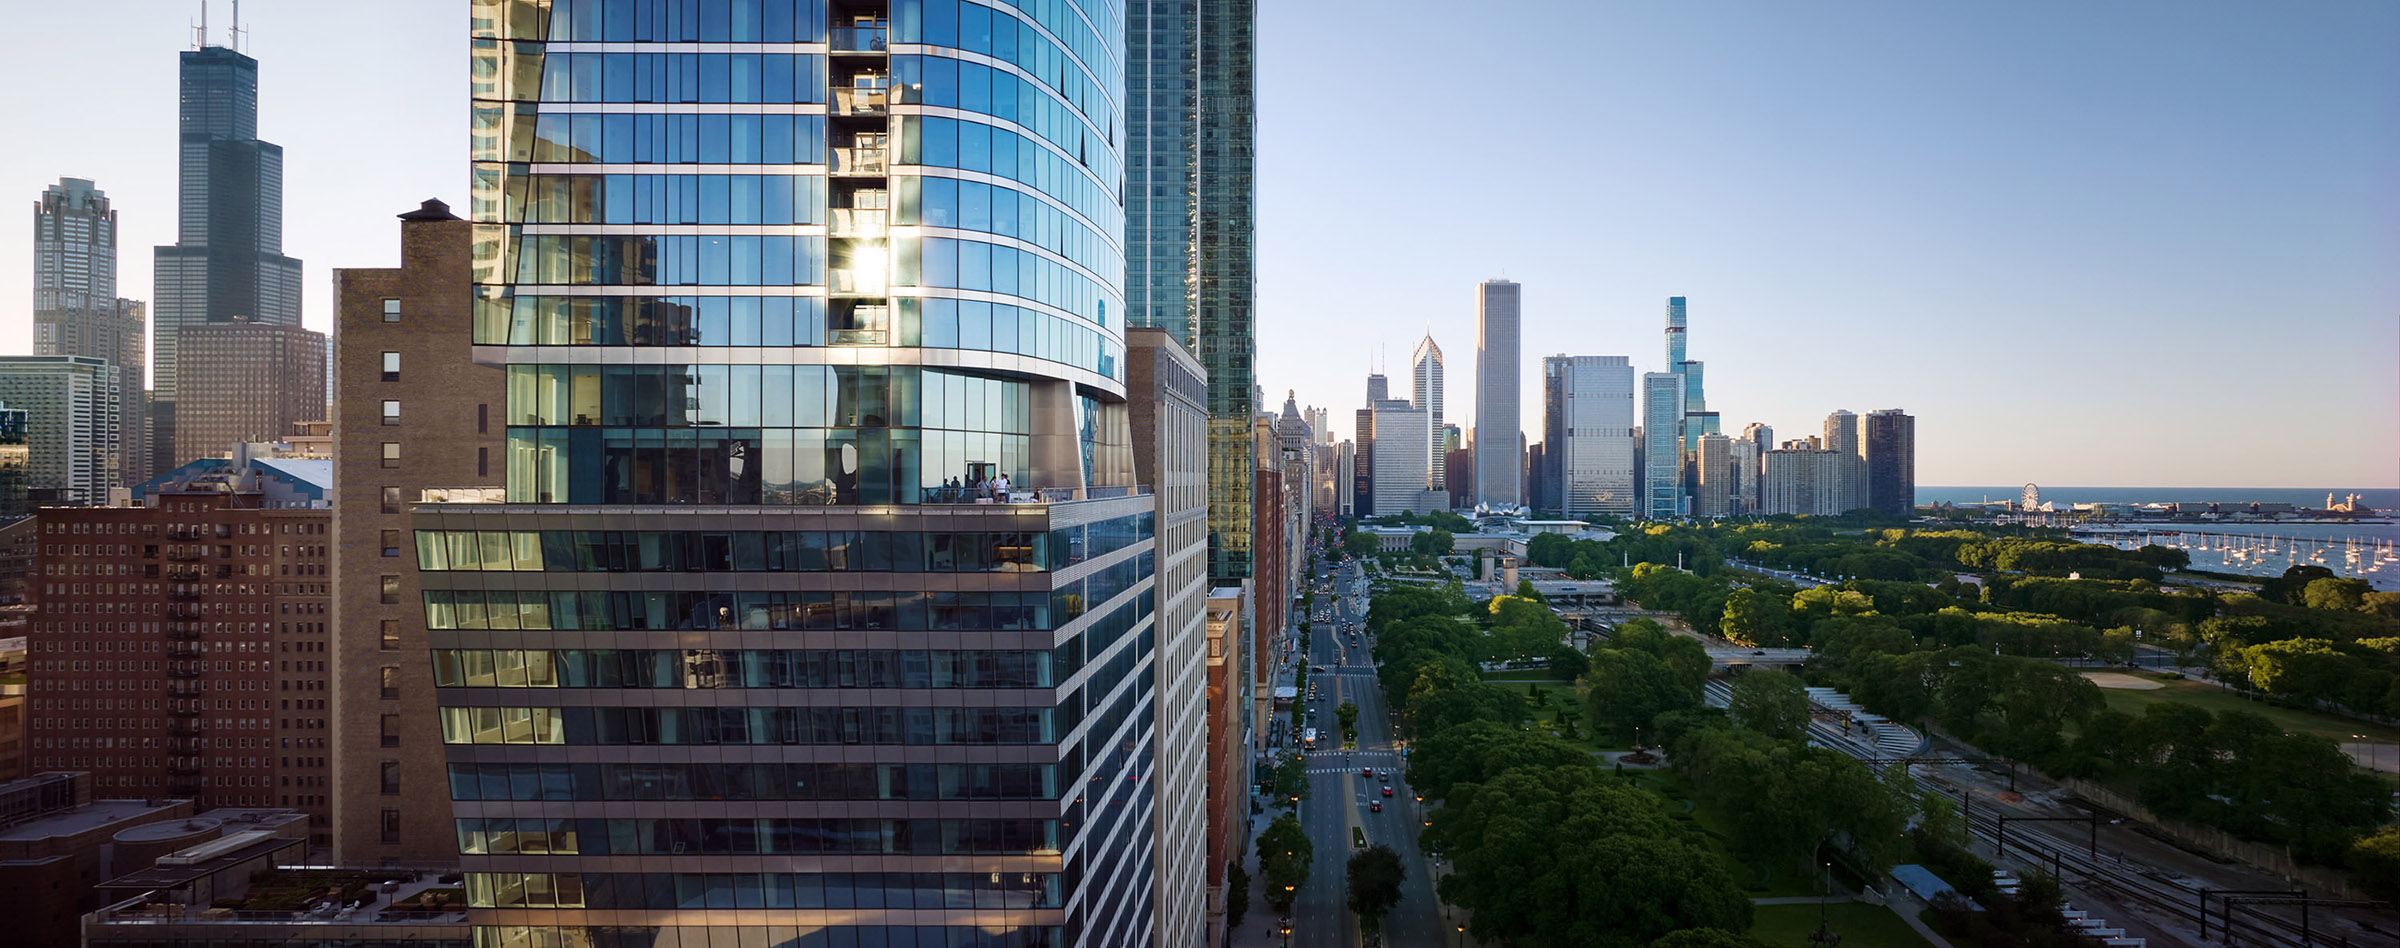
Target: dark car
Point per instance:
(1374, 806)
(1387, 791)
(1366, 771)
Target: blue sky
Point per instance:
(2123, 243)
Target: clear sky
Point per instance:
(2123, 243)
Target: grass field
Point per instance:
(2215, 700)
(1860, 925)
(1561, 695)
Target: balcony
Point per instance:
(182, 650)
(183, 766)
(184, 631)
(182, 670)
(858, 39)
(859, 161)
(869, 222)
(183, 729)
(184, 593)
(184, 710)
(186, 554)
(184, 689)
(184, 747)
(183, 611)
(857, 101)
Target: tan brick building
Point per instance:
(413, 411)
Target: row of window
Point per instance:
(761, 836)
(678, 21)
(773, 396)
(982, 934)
(681, 138)
(607, 726)
(677, 77)
(810, 551)
(763, 780)
(760, 890)
(786, 321)
(779, 466)
(751, 668)
(1094, 39)
(774, 200)
(606, 610)
(943, 82)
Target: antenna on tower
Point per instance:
(233, 34)
(200, 33)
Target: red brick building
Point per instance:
(178, 649)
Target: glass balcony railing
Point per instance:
(858, 39)
(859, 222)
(860, 281)
(851, 100)
(868, 161)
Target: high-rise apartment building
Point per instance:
(1187, 82)
(402, 335)
(1379, 388)
(1362, 468)
(1401, 458)
(227, 261)
(1850, 481)
(76, 310)
(1888, 439)
(244, 381)
(1716, 496)
(1345, 478)
(852, 480)
(1662, 445)
(1587, 435)
(72, 409)
(1167, 398)
(1697, 419)
(1803, 477)
(1425, 369)
(1745, 456)
(179, 648)
(1498, 427)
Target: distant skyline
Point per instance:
(2131, 244)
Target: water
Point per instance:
(2381, 498)
(2204, 540)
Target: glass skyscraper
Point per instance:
(1190, 202)
(818, 611)
(227, 261)
(76, 310)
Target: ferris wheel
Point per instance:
(2030, 498)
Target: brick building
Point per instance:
(403, 339)
(178, 649)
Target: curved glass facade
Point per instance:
(786, 290)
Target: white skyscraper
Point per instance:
(1400, 458)
(1850, 477)
(1426, 367)
(1588, 434)
(1499, 463)
(1662, 445)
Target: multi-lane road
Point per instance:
(1342, 798)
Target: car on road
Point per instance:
(1366, 771)
(1385, 776)
(1387, 791)
(1374, 806)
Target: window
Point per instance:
(483, 419)
(483, 462)
(391, 411)
(391, 635)
(391, 590)
(391, 500)
(391, 451)
(391, 730)
(391, 825)
(391, 543)
(391, 311)
(391, 778)
(391, 367)
(391, 681)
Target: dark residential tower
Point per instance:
(227, 261)
(1889, 442)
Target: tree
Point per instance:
(1433, 543)
(1291, 782)
(1348, 714)
(1770, 702)
(1705, 938)
(1375, 874)
(1628, 688)
(1478, 751)
(2374, 859)
(1284, 855)
(1361, 544)
(1237, 893)
(1756, 618)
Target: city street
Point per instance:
(1341, 797)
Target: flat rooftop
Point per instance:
(83, 819)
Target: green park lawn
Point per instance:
(2217, 700)
(1561, 695)
(1861, 926)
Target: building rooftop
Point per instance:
(287, 898)
(83, 819)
